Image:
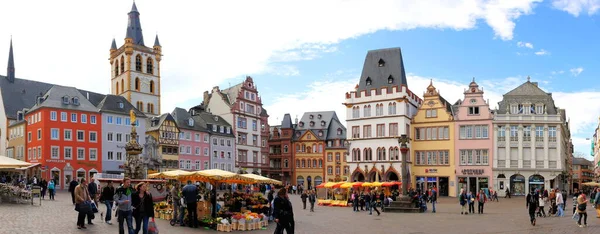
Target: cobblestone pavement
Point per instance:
(506, 216)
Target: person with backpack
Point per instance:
(124, 206)
(532, 202)
(481, 200)
(581, 209)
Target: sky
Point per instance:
(310, 53)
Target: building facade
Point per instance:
(432, 145)
(222, 142)
(166, 132)
(281, 151)
(596, 150)
(16, 139)
(531, 141)
(583, 172)
(473, 142)
(193, 140)
(336, 151)
(135, 68)
(116, 130)
(63, 135)
(241, 106)
(379, 110)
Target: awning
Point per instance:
(31, 166)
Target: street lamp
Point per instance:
(403, 141)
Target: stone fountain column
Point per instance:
(133, 164)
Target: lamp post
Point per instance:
(403, 141)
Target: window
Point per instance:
(80, 135)
(329, 170)
(39, 134)
(109, 119)
(392, 108)
(206, 138)
(188, 164)
(197, 165)
(138, 63)
(366, 131)
(68, 134)
(68, 153)
(539, 133)
(110, 155)
(526, 133)
(367, 111)
(380, 130)
(119, 156)
(63, 116)
(93, 119)
(473, 110)
(379, 110)
(241, 122)
(356, 112)
(54, 152)
(205, 151)
(205, 165)
(83, 118)
(109, 136)
(431, 113)
(119, 137)
(501, 133)
(149, 64)
(54, 134)
(74, 117)
(53, 115)
(329, 157)
(80, 154)
(552, 134)
(119, 120)
(368, 81)
(93, 136)
(93, 154)
(432, 133)
(440, 157)
(539, 109)
(514, 133)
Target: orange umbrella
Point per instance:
(357, 184)
(322, 185)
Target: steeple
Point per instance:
(156, 42)
(10, 70)
(113, 46)
(134, 27)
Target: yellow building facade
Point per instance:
(432, 145)
(308, 154)
(336, 169)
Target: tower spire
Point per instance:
(134, 27)
(113, 46)
(10, 70)
(156, 42)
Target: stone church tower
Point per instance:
(135, 68)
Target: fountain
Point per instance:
(404, 203)
(133, 165)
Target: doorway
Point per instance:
(443, 182)
(473, 185)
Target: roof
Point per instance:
(582, 161)
(209, 119)
(113, 45)
(53, 98)
(287, 121)
(182, 117)
(528, 92)
(134, 27)
(156, 41)
(111, 103)
(379, 66)
(10, 69)
(230, 94)
(331, 124)
(263, 112)
(161, 119)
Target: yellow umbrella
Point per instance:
(346, 185)
(376, 184)
(174, 174)
(367, 184)
(261, 179)
(592, 184)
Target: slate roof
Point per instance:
(182, 117)
(134, 27)
(582, 161)
(53, 98)
(110, 104)
(230, 94)
(166, 116)
(528, 92)
(208, 121)
(332, 123)
(113, 45)
(263, 112)
(393, 66)
(10, 69)
(156, 41)
(287, 121)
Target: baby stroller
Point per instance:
(422, 204)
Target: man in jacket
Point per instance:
(303, 198)
(190, 192)
(93, 190)
(312, 198)
(175, 200)
(532, 201)
(125, 210)
(283, 213)
(481, 199)
(107, 197)
(82, 198)
(433, 198)
(72, 187)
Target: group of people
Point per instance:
(467, 201)
(369, 199)
(186, 198)
(536, 201)
(130, 204)
(46, 187)
(311, 197)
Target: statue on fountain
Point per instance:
(133, 164)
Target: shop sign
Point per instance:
(431, 170)
(473, 171)
(55, 160)
(483, 180)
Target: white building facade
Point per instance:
(379, 110)
(532, 142)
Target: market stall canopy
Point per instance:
(261, 179)
(174, 174)
(10, 163)
(592, 184)
(216, 175)
(331, 184)
(390, 184)
(366, 184)
(346, 185)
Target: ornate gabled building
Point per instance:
(135, 68)
(281, 151)
(241, 106)
(432, 144)
(473, 142)
(194, 142)
(532, 141)
(166, 132)
(379, 110)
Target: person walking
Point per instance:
(44, 186)
(72, 187)
(575, 196)
(107, 197)
(581, 209)
(303, 197)
(283, 213)
(597, 202)
(471, 200)
(433, 198)
(124, 207)
(189, 193)
(143, 207)
(532, 203)
(92, 188)
(462, 200)
(355, 201)
(312, 198)
(507, 193)
(541, 204)
(374, 203)
(368, 202)
(560, 202)
(481, 200)
(51, 187)
(176, 200)
(83, 202)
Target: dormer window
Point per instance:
(216, 118)
(381, 63)
(320, 133)
(214, 128)
(368, 81)
(322, 123)
(76, 101)
(65, 100)
(312, 124)
(311, 117)
(390, 79)
(319, 116)
(121, 105)
(301, 124)
(191, 122)
(339, 131)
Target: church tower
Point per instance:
(135, 68)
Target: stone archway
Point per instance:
(372, 176)
(392, 176)
(358, 176)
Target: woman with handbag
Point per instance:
(143, 207)
(83, 203)
(581, 209)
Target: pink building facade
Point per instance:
(474, 141)
(194, 141)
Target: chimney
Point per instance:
(296, 120)
(205, 96)
(87, 95)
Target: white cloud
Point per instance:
(207, 42)
(542, 52)
(525, 44)
(329, 95)
(557, 72)
(283, 70)
(576, 71)
(576, 7)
